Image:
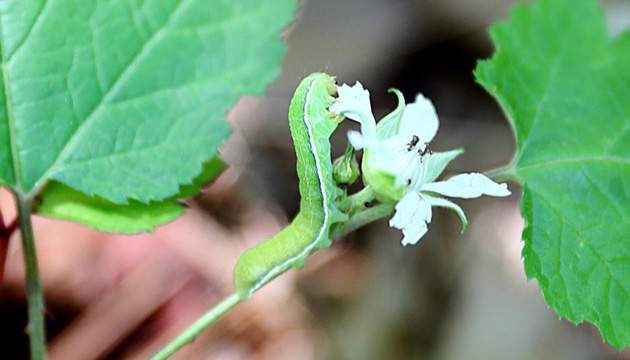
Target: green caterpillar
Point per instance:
(311, 126)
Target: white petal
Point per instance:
(405, 209)
(467, 186)
(413, 233)
(420, 119)
(356, 139)
(353, 102)
(396, 157)
(413, 213)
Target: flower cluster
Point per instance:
(398, 166)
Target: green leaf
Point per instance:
(211, 170)
(62, 202)
(124, 100)
(565, 86)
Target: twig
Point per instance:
(34, 290)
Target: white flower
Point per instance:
(419, 200)
(398, 166)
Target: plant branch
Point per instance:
(360, 215)
(195, 329)
(356, 201)
(34, 290)
(362, 218)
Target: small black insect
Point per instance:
(426, 150)
(414, 141)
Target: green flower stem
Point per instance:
(356, 201)
(200, 325)
(34, 290)
(362, 218)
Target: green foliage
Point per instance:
(122, 102)
(565, 86)
(61, 202)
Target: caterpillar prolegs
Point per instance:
(311, 126)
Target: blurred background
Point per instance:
(451, 296)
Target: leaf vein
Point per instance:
(15, 161)
(118, 154)
(576, 160)
(71, 143)
(582, 237)
(620, 134)
(553, 72)
(28, 32)
(595, 186)
(136, 176)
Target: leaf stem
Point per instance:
(200, 325)
(34, 289)
(502, 174)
